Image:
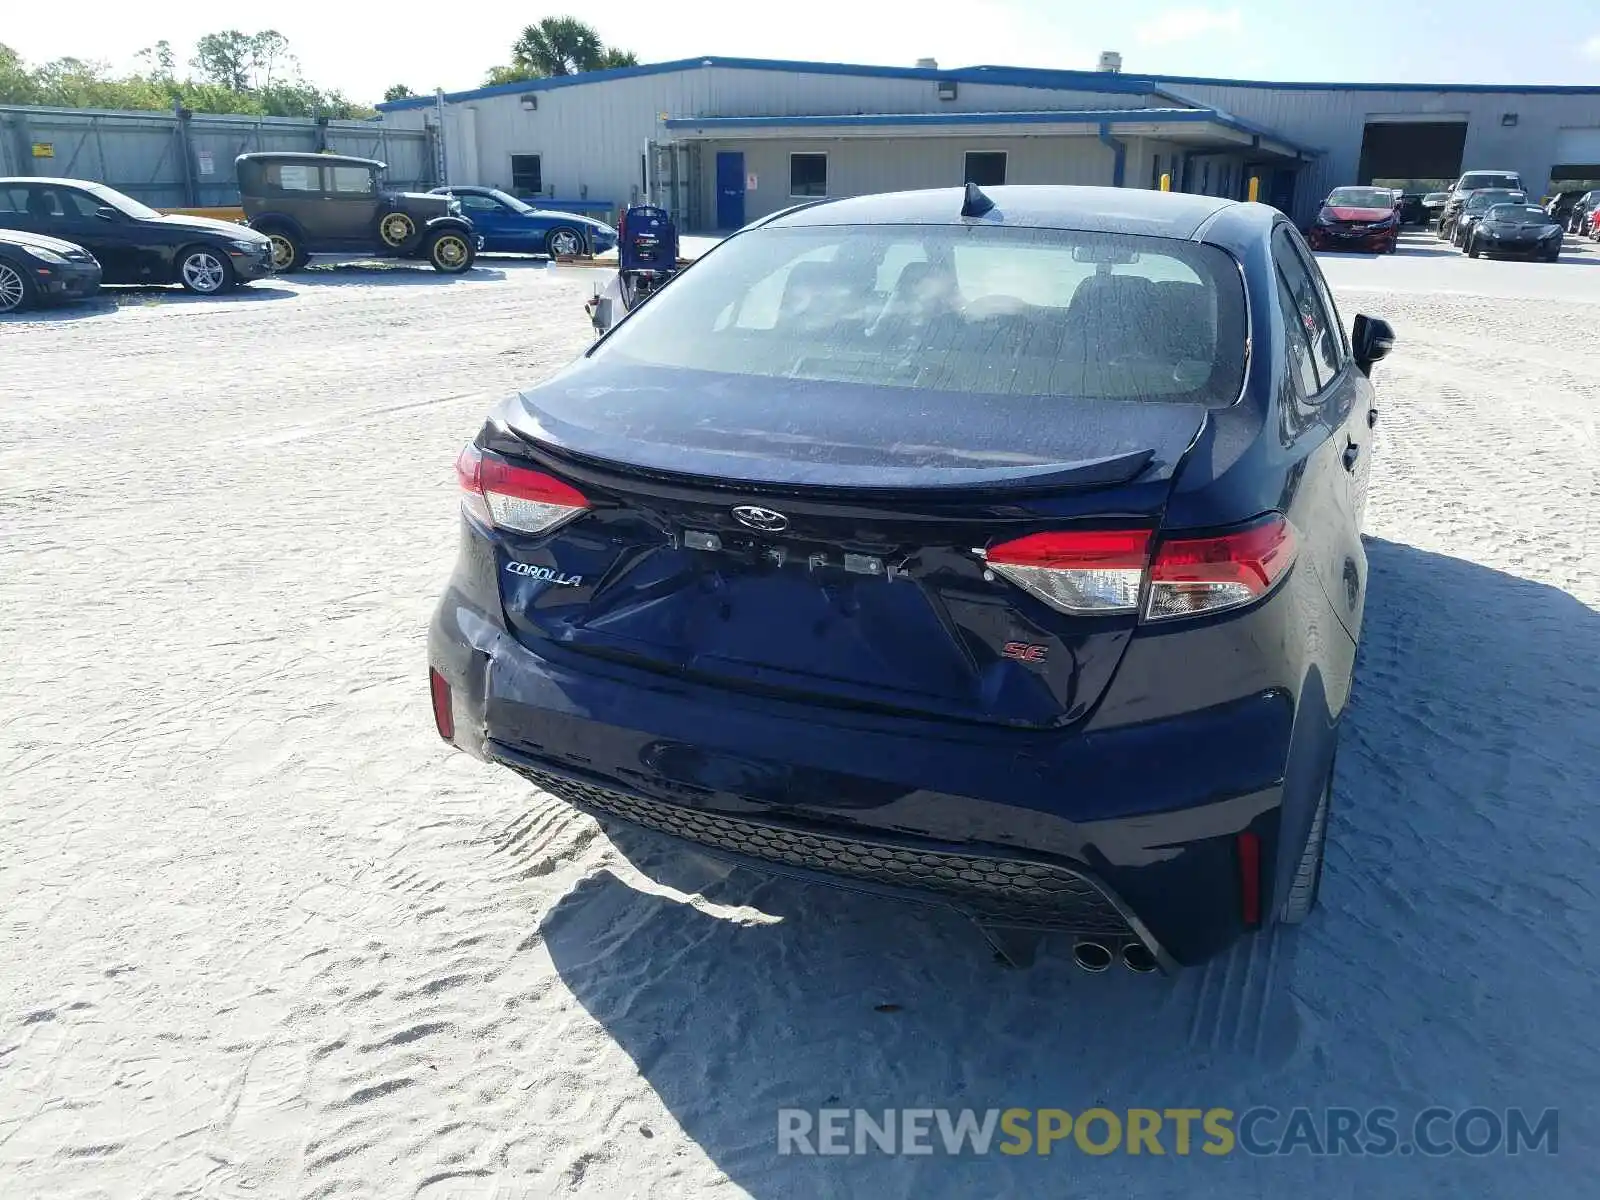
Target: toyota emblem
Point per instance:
(764, 519)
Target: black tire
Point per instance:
(288, 252)
(1474, 248)
(17, 293)
(449, 251)
(1305, 889)
(205, 270)
(563, 242)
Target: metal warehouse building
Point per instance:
(722, 141)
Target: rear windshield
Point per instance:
(1353, 197)
(1490, 199)
(1488, 179)
(967, 309)
(1521, 213)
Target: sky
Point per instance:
(342, 46)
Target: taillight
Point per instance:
(444, 718)
(1248, 846)
(1104, 570)
(1081, 571)
(507, 496)
(1203, 575)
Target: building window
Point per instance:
(526, 179)
(808, 174)
(986, 168)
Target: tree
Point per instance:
(159, 60)
(241, 61)
(251, 74)
(223, 59)
(16, 81)
(512, 74)
(399, 92)
(559, 46)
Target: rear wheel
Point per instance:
(562, 242)
(449, 251)
(1306, 886)
(205, 270)
(16, 289)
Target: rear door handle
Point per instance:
(1351, 453)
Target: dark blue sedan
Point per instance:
(997, 551)
(511, 226)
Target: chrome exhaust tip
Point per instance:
(1136, 957)
(1093, 957)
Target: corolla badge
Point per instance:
(547, 574)
(764, 519)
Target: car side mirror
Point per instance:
(1372, 338)
(106, 213)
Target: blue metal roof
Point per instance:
(1086, 81)
(1036, 206)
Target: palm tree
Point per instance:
(558, 46)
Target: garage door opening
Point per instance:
(1411, 155)
(1572, 177)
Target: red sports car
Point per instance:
(1357, 218)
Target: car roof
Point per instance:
(303, 157)
(1027, 206)
(53, 180)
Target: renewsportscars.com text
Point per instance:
(1260, 1131)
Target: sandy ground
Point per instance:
(261, 936)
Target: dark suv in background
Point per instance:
(330, 204)
(1470, 182)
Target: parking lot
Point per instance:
(263, 936)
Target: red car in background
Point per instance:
(1357, 218)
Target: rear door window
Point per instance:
(1322, 335)
(1336, 352)
(294, 177)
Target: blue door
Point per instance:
(730, 189)
(501, 229)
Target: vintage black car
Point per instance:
(132, 241)
(330, 204)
